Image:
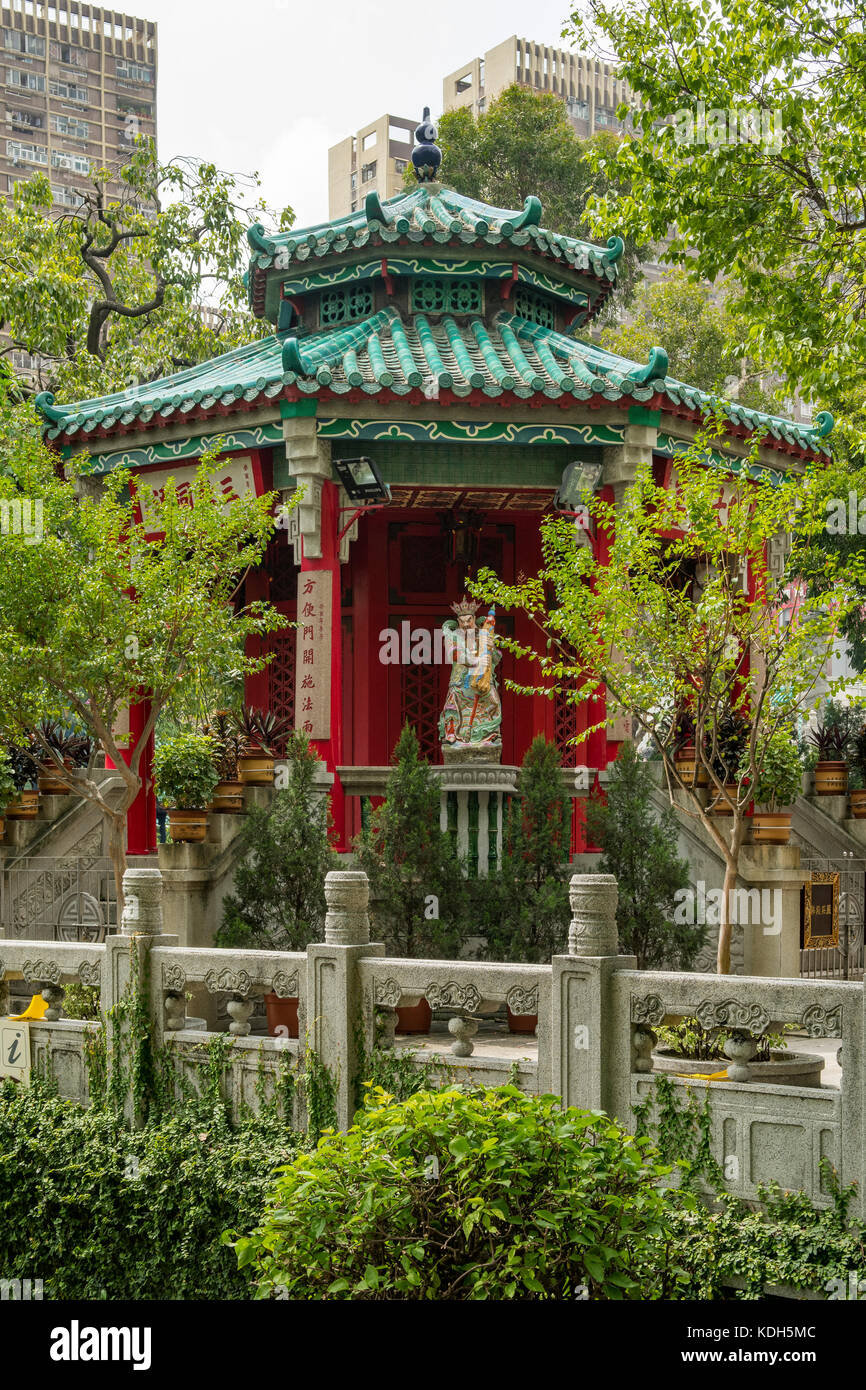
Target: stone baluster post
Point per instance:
(141, 926)
(334, 1003)
(583, 1049)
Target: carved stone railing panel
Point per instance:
(224, 971)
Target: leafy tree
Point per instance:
(641, 850)
(518, 1176)
(699, 336)
(531, 891)
(524, 144)
(668, 628)
(128, 286)
(278, 900)
(781, 217)
(415, 877)
(93, 612)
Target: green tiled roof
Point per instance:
(389, 353)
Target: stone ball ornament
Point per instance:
(426, 156)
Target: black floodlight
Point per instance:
(362, 480)
(579, 481)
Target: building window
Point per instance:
(463, 84)
(400, 134)
(65, 197)
(368, 172)
(133, 72)
(530, 305)
(342, 306)
(70, 125)
(75, 163)
(31, 81)
(354, 181)
(66, 53)
(400, 165)
(24, 43)
(368, 140)
(25, 120)
(26, 154)
(446, 297)
(67, 91)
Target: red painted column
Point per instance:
(330, 750)
(141, 816)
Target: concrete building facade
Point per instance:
(371, 161)
(78, 87)
(589, 88)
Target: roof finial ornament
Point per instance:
(426, 156)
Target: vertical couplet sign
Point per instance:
(313, 659)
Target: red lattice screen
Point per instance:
(420, 703)
(281, 677)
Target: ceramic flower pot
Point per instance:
(521, 1023)
(255, 766)
(692, 773)
(414, 1018)
(720, 807)
(772, 828)
(187, 827)
(25, 807)
(858, 804)
(831, 778)
(50, 782)
(282, 1014)
(228, 797)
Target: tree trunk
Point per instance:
(117, 855)
(723, 960)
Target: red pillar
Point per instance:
(141, 816)
(330, 750)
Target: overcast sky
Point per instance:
(269, 85)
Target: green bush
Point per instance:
(780, 776)
(467, 1195)
(7, 781)
(99, 1211)
(184, 771)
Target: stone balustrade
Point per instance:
(597, 1022)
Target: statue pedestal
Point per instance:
(474, 793)
(471, 754)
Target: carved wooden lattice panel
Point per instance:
(281, 678)
(420, 704)
(564, 729)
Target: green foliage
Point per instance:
(789, 1242)
(690, 1039)
(640, 849)
(681, 1128)
(8, 790)
(81, 1001)
(524, 144)
(781, 217)
(528, 909)
(184, 773)
(97, 610)
(278, 900)
(780, 778)
(99, 1211)
(467, 1195)
(416, 883)
(112, 292)
(699, 336)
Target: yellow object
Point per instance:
(35, 1009)
(704, 1076)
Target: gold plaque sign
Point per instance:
(313, 658)
(821, 911)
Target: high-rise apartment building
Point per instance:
(372, 160)
(79, 84)
(589, 88)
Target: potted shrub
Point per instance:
(25, 772)
(229, 790)
(688, 1049)
(777, 788)
(857, 773)
(185, 777)
(7, 787)
(261, 732)
(278, 899)
(71, 749)
(831, 769)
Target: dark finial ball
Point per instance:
(426, 156)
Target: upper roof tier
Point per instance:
(435, 217)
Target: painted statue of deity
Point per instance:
(472, 716)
